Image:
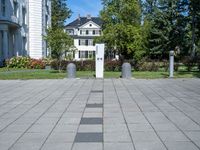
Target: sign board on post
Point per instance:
(99, 60)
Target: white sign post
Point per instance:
(99, 60)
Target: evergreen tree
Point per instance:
(60, 12)
(168, 25)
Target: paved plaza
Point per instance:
(109, 114)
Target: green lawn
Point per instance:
(52, 74)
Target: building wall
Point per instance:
(39, 20)
(21, 33)
(35, 28)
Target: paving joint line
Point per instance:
(35, 91)
(123, 115)
(36, 120)
(176, 106)
(65, 110)
(42, 99)
(83, 113)
(169, 119)
(144, 115)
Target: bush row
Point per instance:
(86, 65)
(110, 65)
(25, 62)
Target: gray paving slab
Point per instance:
(88, 137)
(107, 114)
(90, 121)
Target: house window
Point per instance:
(87, 32)
(80, 32)
(86, 42)
(70, 32)
(93, 32)
(3, 7)
(83, 54)
(81, 42)
(15, 9)
(90, 42)
(90, 25)
(91, 54)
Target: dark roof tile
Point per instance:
(82, 20)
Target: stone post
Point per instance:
(126, 70)
(171, 64)
(71, 70)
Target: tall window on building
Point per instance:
(24, 15)
(80, 32)
(15, 5)
(3, 7)
(24, 45)
(87, 32)
(46, 21)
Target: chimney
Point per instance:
(79, 17)
(88, 16)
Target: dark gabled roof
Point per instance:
(82, 20)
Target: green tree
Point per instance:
(60, 12)
(122, 31)
(60, 43)
(194, 7)
(168, 26)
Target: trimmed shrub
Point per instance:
(189, 62)
(18, 62)
(37, 64)
(112, 65)
(86, 65)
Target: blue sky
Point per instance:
(84, 7)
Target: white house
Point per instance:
(22, 26)
(84, 30)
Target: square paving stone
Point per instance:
(88, 146)
(152, 145)
(90, 128)
(89, 137)
(118, 146)
(94, 105)
(97, 91)
(91, 121)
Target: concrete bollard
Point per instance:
(126, 70)
(171, 64)
(71, 70)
